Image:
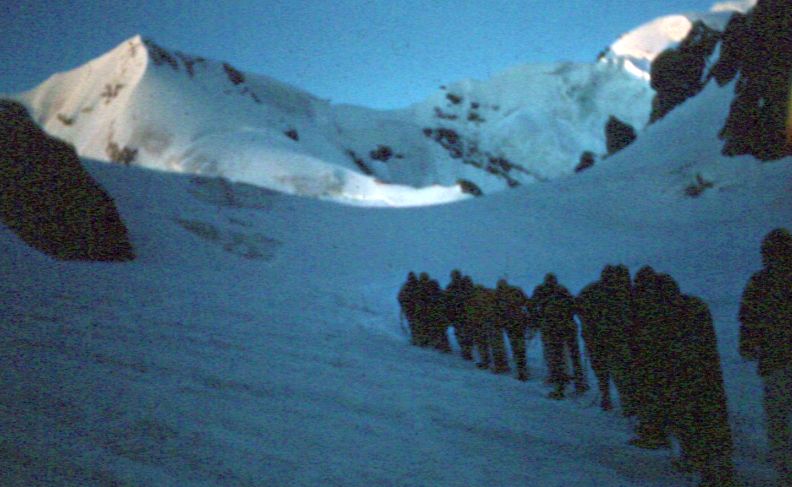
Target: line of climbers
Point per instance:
(656, 345)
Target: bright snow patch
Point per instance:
(734, 6)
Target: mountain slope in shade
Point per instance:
(145, 105)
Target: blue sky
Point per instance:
(378, 53)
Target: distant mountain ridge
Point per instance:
(144, 104)
(147, 105)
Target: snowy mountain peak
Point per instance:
(144, 104)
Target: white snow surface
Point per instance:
(186, 114)
(256, 340)
(734, 5)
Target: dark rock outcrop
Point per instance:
(121, 155)
(468, 152)
(159, 55)
(469, 187)
(757, 50)
(382, 153)
(731, 50)
(48, 198)
(235, 76)
(360, 163)
(586, 161)
(678, 74)
(455, 99)
(618, 135)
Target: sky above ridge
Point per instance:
(376, 53)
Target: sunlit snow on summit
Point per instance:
(737, 5)
(146, 105)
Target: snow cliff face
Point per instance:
(145, 105)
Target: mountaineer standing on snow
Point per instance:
(766, 336)
(423, 311)
(436, 324)
(588, 307)
(651, 341)
(456, 295)
(512, 304)
(555, 306)
(407, 298)
(697, 397)
(483, 318)
(617, 326)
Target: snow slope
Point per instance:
(144, 104)
(256, 339)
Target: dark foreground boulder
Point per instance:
(48, 198)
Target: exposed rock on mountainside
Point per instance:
(48, 198)
(468, 151)
(469, 187)
(757, 50)
(677, 74)
(618, 135)
(586, 161)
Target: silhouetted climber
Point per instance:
(457, 294)
(407, 301)
(589, 305)
(697, 399)
(483, 317)
(512, 304)
(766, 336)
(651, 340)
(555, 307)
(477, 311)
(437, 324)
(616, 328)
(424, 310)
